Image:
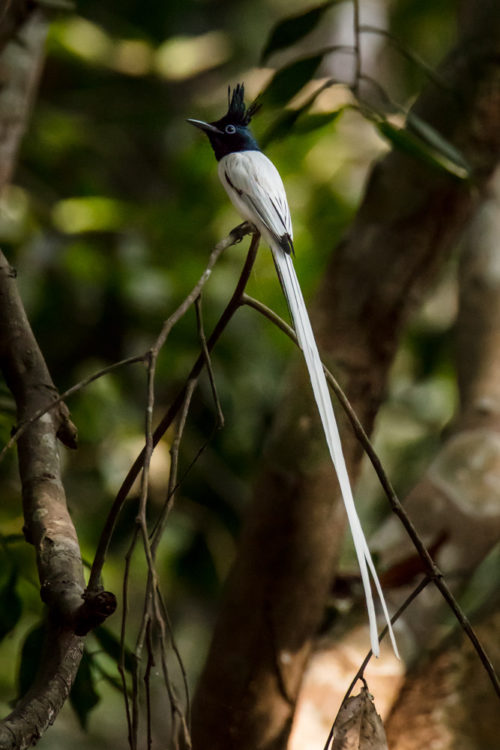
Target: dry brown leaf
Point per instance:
(358, 725)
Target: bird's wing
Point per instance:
(252, 180)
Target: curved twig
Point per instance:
(23, 426)
(121, 497)
(359, 674)
(154, 609)
(48, 525)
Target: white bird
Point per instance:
(256, 190)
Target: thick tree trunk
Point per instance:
(447, 703)
(458, 497)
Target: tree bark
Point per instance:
(446, 699)
(446, 703)
(22, 39)
(458, 497)
(405, 229)
(47, 522)
(48, 525)
(456, 508)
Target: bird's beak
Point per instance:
(205, 126)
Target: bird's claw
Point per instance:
(241, 231)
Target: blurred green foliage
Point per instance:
(112, 213)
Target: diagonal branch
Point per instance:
(230, 309)
(433, 573)
(48, 525)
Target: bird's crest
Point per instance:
(237, 113)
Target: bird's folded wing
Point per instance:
(257, 183)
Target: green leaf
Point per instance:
(296, 121)
(10, 605)
(308, 123)
(281, 127)
(291, 29)
(431, 136)
(289, 80)
(287, 119)
(11, 538)
(405, 141)
(83, 696)
(114, 681)
(30, 658)
(111, 645)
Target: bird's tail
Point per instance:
(305, 336)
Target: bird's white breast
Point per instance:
(256, 190)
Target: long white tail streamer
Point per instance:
(305, 335)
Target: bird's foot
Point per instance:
(241, 231)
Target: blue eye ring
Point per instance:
(230, 129)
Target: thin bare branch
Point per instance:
(432, 570)
(359, 674)
(21, 428)
(410, 55)
(130, 704)
(121, 497)
(178, 658)
(174, 462)
(154, 612)
(208, 363)
(357, 47)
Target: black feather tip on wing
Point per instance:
(237, 112)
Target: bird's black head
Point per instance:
(231, 133)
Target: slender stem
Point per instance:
(357, 48)
(234, 303)
(236, 235)
(147, 685)
(174, 463)
(130, 712)
(177, 653)
(208, 362)
(21, 428)
(409, 54)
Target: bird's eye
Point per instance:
(230, 129)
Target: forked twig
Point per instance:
(234, 303)
(155, 614)
(360, 673)
(235, 236)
